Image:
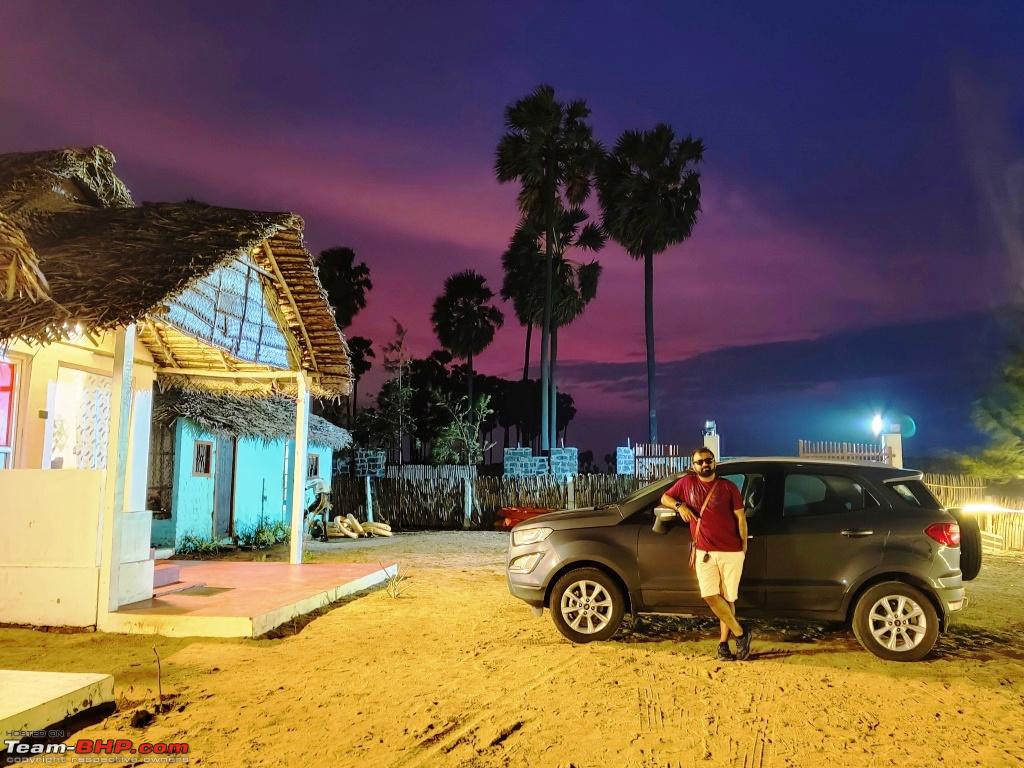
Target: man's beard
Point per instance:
(706, 471)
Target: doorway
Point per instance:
(224, 488)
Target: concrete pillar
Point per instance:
(713, 444)
(298, 495)
(467, 502)
(369, 499)
(116, 476)
(892, 443)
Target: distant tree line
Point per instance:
(648, 191)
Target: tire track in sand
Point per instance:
(431, 751)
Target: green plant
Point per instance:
(458, 441)
(194, 544)
(281, 531)
(396, 583)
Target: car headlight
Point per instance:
(529, 536)
(525, 563)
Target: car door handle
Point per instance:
(855, 533)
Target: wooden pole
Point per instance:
(299, 467)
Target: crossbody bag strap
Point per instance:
(700, 515)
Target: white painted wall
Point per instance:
(49, 553)
(38, 375)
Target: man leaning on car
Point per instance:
(713, 507)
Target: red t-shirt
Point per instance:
(719, 532)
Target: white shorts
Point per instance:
(720, 575)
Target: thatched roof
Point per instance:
(84, 259)
(34, 183)
(264, 418)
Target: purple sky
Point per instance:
(863, 172)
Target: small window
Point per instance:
(203, 460)
(915, 493)
(313, 467)
(751, 490)
(808, 495)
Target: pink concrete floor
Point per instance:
(252, 589)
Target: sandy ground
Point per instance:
(455, 672)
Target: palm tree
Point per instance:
(522, 262)
(360, 351)
(650, 197)
(346, 283)
(575, 287)
(463, 320)
(550, 149)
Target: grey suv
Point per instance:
(862, 543)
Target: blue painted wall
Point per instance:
(192, 497)
(259, 482)
(259, 485)
(326, 469)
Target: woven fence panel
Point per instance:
(594, 490)
(955, 490)
(418, 505)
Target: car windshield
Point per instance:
(658, 486)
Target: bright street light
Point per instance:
(876, 424)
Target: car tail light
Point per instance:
(947, 534)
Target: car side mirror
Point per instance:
(663, 516)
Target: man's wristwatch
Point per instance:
(678, 505)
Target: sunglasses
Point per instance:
(703, 461)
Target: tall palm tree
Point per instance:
(464, 320)
(650, 197)
(346, 283)
(522, 262)
(360, 351)
(575, 287)
(550, 149)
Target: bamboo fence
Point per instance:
(431, 472)
(441, 503)
(956, 490)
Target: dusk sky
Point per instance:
(863, 181)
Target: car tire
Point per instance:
(970, 544)
(896, 622)
(587, 605)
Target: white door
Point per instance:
(81, 420)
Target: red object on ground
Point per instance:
(511, 516)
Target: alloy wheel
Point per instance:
(897, 623)
(586, 606)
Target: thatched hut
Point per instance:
(101, 301)
(231, 454)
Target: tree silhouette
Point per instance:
(549, 148)
(650, 198)
(346, 283)
(464, 320)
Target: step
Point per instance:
(165, 573)
(177, 586)
(163, 553)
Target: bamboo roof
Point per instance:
(264, 418)
(213, 289)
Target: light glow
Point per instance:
(876, 424)
(529, 536)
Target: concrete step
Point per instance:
(177, 586)
(163, 553)
(165, 573)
